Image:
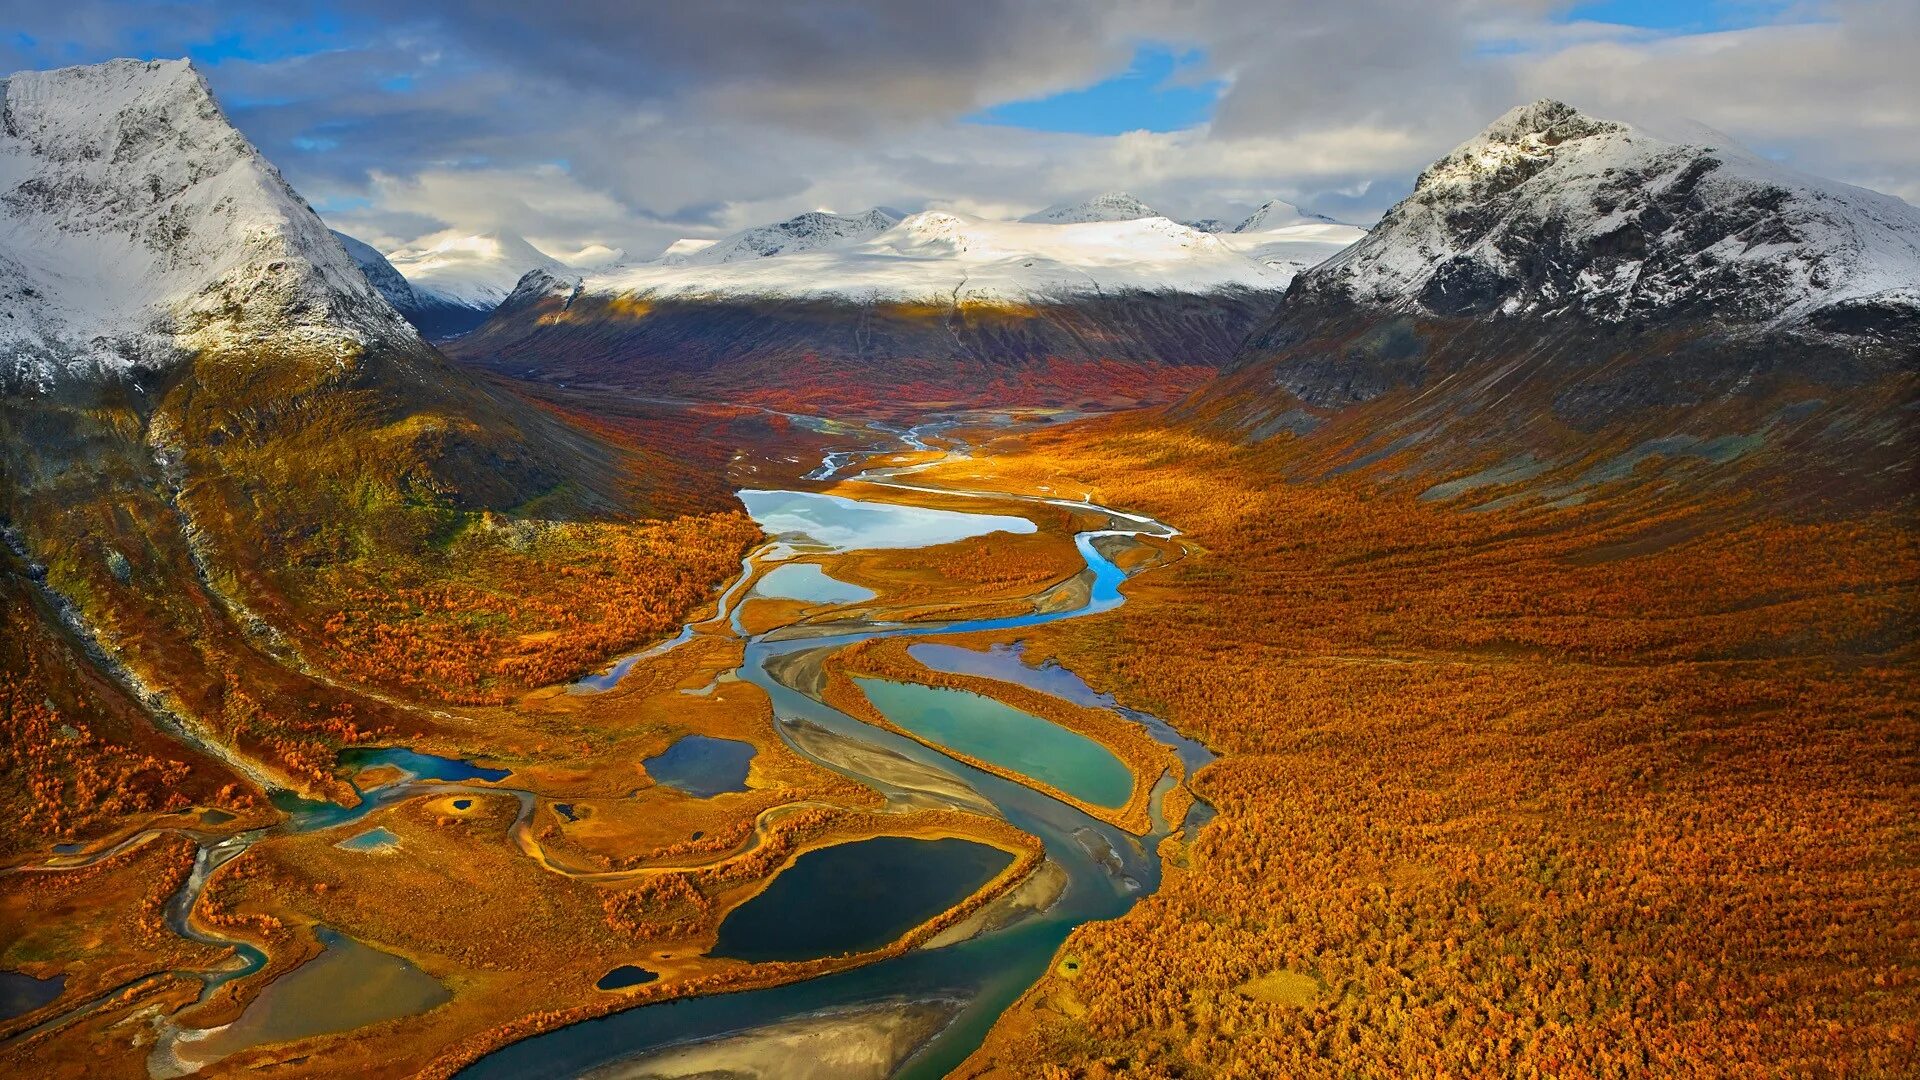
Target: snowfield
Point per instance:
(947, 257)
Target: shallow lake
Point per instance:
(850, 524)
(855, 897)
(374, 839)
(805, 581)
(703, 766)
(986, 729)
(349, 985)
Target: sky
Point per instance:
(590, 126)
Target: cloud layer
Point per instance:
(601, 122)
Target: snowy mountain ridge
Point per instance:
(950, 257)
(474, 272)
(138, 227)
(810, 231)
(381, 274)
(1279, 214)
(1549, 211)
(1106, 206)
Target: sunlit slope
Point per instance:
(212, 424)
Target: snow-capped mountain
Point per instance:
(1209, 225)
(811, 231)
(1107, 206)
(1560, 273)
(470, 271)
(1279, 214)
(138, 227)
(389, 282)
(937, 254)
(1549, 211)
(959, 308)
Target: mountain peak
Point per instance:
(1550, 211)
(1280, 214)
(141, 227)
(811, 231)
(1106, 206)
(474, 271)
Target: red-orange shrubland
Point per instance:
(1621, 790)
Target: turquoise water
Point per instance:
(375, 839)
(1108, 871)
(849, 524)
(805, 581)
(855, 897)
(984, 728)
(703, 766)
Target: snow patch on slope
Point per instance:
(138, 227)
(1106, 206)
(812, 231)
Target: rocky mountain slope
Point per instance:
(1560, 275)
(204, 402)
(137, 227)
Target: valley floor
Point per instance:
(1623, 789)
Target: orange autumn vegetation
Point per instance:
(530, 603)
(59, 779)
(915, 385)
(1625, 790)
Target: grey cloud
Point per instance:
(608, 122)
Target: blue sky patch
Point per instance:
(1152, 94)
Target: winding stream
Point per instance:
(1106, 868)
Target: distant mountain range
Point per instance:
(454, 284)
(953, 304)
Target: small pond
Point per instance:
(374, 839)
(843, 524)
(703, 766)
(624, 976)
(857, 896)
(805, 581)
(986, 729)
(21, 993)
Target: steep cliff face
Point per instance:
(1559, 278)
